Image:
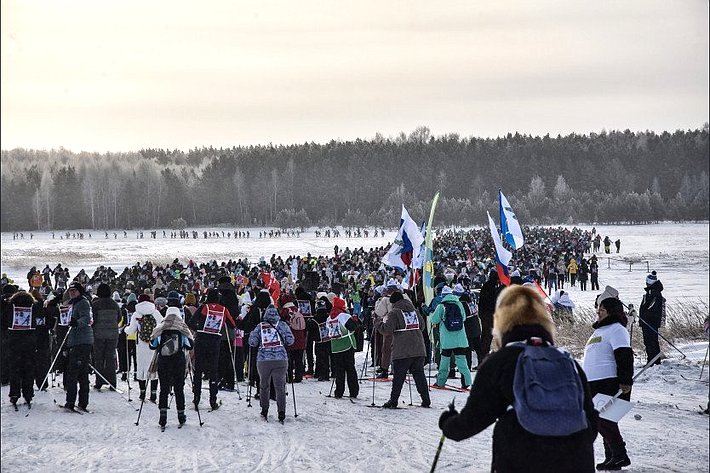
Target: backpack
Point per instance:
(147, 326)
(548, 396)
(297, 321)
(453, 318)
(170, 346)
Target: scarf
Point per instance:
(171, 322)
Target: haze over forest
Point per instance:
(606, 177)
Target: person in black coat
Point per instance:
(651, 313)
(520, 315)
(228, 298)
(21, 326)
(486, 306)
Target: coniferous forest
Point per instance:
(607, 177)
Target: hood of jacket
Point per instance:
(271, 315)
(144, 308)
(404, 305)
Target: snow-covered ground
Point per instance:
(337, 435)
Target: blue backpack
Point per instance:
(453, 318)
(548, 396)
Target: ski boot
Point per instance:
(181, 417)
(163, 417)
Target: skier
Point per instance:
(342, 346)
(79, 344)
(170, 338)
(19, 318)
(145, 318)
(107, 316)
(453, 341)
(271, 337)
(405, 325)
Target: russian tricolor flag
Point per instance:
(503, 256)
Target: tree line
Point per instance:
(607, 177)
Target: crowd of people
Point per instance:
(281, 321)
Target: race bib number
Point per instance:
(330, 330)
(270, 336)
(213, 321)
(411, 321)
(22, 318)
(305, 308)
(64, 316)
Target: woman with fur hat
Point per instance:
(520, 316)
(609, 365)
(270, 338)
(145, 318)
(170, 338)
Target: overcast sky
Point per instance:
(124, 75)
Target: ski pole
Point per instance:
(705, 359)
(140, 410)
(619, 392)
(441, 441)
(107, 382)
(234, 366)
(409, 382)
(330, 393)
(664, 338)
(197, 408)
(59, 352)
(293, 392)
(249, 377)
(128, 370)
(438, 452)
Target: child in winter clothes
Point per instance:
(271, 337)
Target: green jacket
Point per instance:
(449, 340)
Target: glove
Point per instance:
(72, 322)
(625, 388)
(446, 414)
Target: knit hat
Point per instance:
(339, 304)
(651, 278)
(161, 301)
(103, 291)
(131, 298)
(173, 295)
(458, 289)
(396, 297)
(76, 285)
(446, 290)
(144, 298)
(609, 293)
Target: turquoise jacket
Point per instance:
(449, 340)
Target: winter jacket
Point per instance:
(652, 305)
(449, 340)
(107, 315)
(514, 448)
(81, 320)
(405, 343)
(20, 341)
(271, 320)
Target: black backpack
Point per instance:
(453, 318)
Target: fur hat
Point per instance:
(190, 299)
(104, 290)
(161, 301)
(520, 305)
(651, 278)
(609, 293)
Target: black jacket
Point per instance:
(514, 448)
